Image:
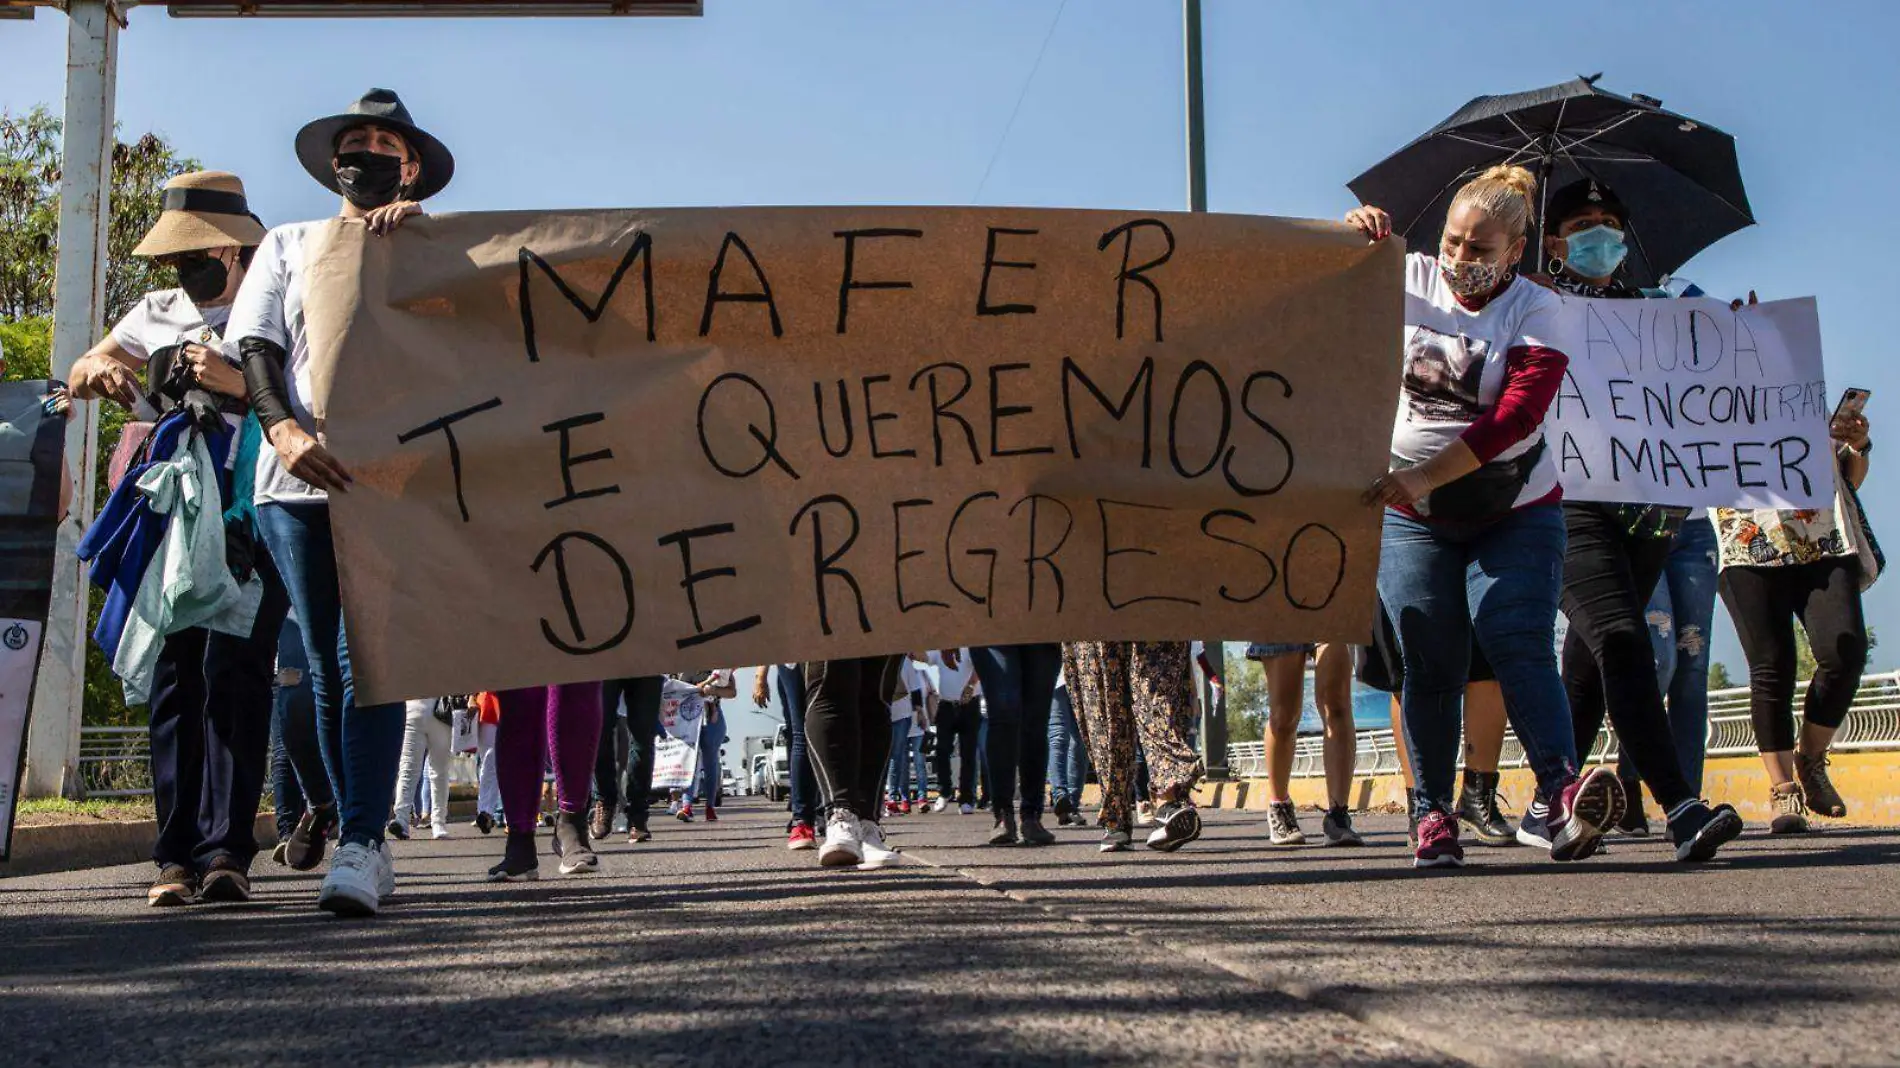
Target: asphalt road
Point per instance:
(713, 945)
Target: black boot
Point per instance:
(1005, 832)
(518, 862)
(1478, 809)
(571, 844)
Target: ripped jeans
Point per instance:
(1681, 614)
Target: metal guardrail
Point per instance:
(115, 761)
(1872, 724)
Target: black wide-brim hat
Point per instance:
(316, 142)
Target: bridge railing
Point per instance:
(1873, 724)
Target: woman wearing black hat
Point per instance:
(1615, 556)
(383, 165)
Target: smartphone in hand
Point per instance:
(1853, 402)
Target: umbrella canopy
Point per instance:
(1678, 177)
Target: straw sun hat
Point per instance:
(202, 210)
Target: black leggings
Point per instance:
(848, 729)
(957, 725)
(1764, 602)
(1609, 574)
(642, 695)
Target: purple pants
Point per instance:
(563, 721)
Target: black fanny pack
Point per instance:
(1486, 493)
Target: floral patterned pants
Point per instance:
(1129, 691)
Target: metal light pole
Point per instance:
(92, 42)
(1213, 700)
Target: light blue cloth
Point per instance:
(188, 583)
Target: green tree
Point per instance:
(29, 215)
(1719, 677)
(1246, 699)
(29, 231)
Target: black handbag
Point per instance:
(1488, 492)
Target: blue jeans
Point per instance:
(897, 776)
(706, 779)
(1681, 615)
(1443, 584)
(298, 777)
(804, 784)
(1066, 771)
(362, 744)
(1019, 685)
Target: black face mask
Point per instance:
(369, 179)
(203, 278)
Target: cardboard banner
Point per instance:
(598, 444)
(1687, 402)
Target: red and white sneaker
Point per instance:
(801, 838)
(685, 814)
(1583, 811)
(1438, 842)
(904, 807)
(890, 808)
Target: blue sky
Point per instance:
(870, 101)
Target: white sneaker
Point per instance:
(354, 885)
(966, 809)
(440, 832)
(1116, 841)
(876, 853)
(844, 846)
(385, 872)
(940, 804)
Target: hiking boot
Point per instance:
(1337, 827)
(518, 861)
(571, 844)
(1699, 830)
(1811, 771)
(1283, 825)
(1791, 809)
(175, 885)
(1064, 808)
(1034, 833)
(1438, 842)
(1005, 832)
(1176, 824)
(225, 880)
(1478, 809)
(1583, 810)
(600, 822)
(307, 842)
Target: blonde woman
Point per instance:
(1474, 533)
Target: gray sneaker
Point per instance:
(1283, 825)
(1115, 841)
(1822, 797)
(1338, 828)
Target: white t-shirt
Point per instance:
(952, 681)
(167, 317)
(269, 305)
(1454, 364)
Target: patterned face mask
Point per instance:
(1470, 278)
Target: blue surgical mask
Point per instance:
(1596, 252)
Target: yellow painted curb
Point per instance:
(1870, 782)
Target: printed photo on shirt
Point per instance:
(1443, 374)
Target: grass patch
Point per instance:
(41, 812)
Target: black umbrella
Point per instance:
(1678, 177)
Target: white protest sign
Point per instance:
(1687, 402)
(674, 763)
